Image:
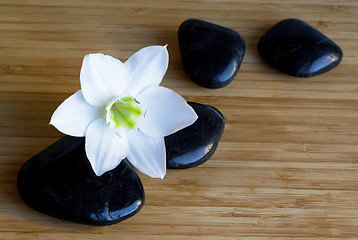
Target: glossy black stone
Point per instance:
(211, 54)
(195, 144)
(297, 49)
(59, 181)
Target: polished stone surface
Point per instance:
(195, 144)
(59, 181)
(211, 54)
(297, 49)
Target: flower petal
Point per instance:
(147, 154)
(102, 78)
(104, 148)
(74, 115)
(146, 68)
(165, 112)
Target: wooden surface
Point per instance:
(286, 166)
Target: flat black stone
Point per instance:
(297, 49)
(195, 144)
(59, 181)
(211, 54)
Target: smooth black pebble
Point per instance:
(211, 54)
(195, 144)
(297, 49)
(60, 182)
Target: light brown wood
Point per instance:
(287, 164)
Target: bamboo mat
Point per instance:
(286, 166)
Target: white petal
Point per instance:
(146, 68)
(147, 154)
(104, 148)
(102, 78)
(166, 112)
(74, 115)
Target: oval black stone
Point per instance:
(196, 143)
(60, 182)
(297, 49)
(211, 54)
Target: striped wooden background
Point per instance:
(287, 164)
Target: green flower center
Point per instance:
(125, 113)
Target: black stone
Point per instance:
(59, 181)
(195, 144)
(297, 49)
(211, 54)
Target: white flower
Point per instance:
(123, 112)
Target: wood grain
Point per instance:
(287, 164)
